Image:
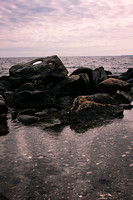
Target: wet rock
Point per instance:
(73, 86)
(123, 98)
(84, 111)
(127, 106)
(49, 70)
(9, 98)
(65, 101)
(85, 70)
(111, 85)
(4, 84)
(130, 81)
(32, 87)
(2, 197)
(127, 75)
(34, 99)
(27, 112)
(101, 98)
(3, 126)
(3, 107)
(28, 119)
(98, 75)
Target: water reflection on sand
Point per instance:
(57, 164)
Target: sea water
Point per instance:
(62, 163)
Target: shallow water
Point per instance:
(63, 163)
(37, 164)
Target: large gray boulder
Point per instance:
(50, 70)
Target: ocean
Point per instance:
(60, 163)
(116, 64)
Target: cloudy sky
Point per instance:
(66, 27)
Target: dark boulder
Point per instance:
(4, 129)
(102, 98)
(98, 75)
(9, 98)
(4, 84)
(31, 87)
(84, 111)
(65, 101)
(30, 111)
(111, 85)
(127, 75)
(73, 86)
(28, 119)
(3, 107)
(49, 70)
(33, 99)
(123, 98)
(80, 70)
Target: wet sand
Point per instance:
(38, 164)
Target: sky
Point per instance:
(66, 27)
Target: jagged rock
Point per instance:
(27, 112)
(50, 70)
(127, 106)
(83, 70)
(127, 75)
(98, 75)
(73, 86)
(33, 99)
(102, 98)
(65, 101)
(84, 111)
(3, 126)
(4, 84)
(3, 107)
(111, 85)
(9, 98)
(28, 119)
(123, 98)
(31, 87)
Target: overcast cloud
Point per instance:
(66, 27)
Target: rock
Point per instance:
(73, 86)
(31, 87)
(98, 75)
(34, 99)
(130, 80)
(49, 70)
(102, 98)
(28, 119)
(111, 85)
(3, 126)
(4, 84)
(3, 107)
(84, 111)
(9, 98)
(65, 101)
(85, 70)
(127, 106)
(27, 112)
(123, 98)
(127, 75)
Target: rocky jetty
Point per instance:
(83, 97)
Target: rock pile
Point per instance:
(84, 96)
